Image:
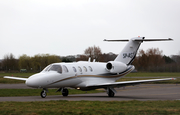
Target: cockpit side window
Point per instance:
(47, 68)
(57, 68)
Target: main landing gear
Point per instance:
(64, 91)
(111, 92)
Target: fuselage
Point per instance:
(77, 75)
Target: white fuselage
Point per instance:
(76, 75)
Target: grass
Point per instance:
(177, 81)
(91, 108)
(86, 107)
(152, 74)
(129, 77)
(11, 81)
(134, 76)
(36, 92)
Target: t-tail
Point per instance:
(128, 54)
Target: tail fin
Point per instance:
(129, 52)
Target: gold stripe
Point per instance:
(92, 76)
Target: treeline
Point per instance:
(151, 60)
(26, 63)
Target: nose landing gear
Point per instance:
(43, 93)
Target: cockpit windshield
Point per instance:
(56, 68)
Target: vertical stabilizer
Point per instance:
(129, 52)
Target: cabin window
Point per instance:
(90, 68)
(80, 69)
(56, 68)
(74, 69)
(65, 69)
(85, 69)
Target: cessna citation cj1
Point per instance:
(86, 75)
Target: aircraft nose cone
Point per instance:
(32, 81)
(29, 83)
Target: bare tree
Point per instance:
(151, 60)
(93, 52)
(9, 62)
(155, 57)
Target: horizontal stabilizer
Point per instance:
(123, 40)
(17, 78)
(140, 39)
(167, 39)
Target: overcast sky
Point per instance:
(68, 27)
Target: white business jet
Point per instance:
(86, 75)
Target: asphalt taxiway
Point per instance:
(143, 92)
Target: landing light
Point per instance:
(78, 88)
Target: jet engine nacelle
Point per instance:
(116, 67)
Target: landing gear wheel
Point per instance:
(65, 92)
(111, 93)
(43, 94)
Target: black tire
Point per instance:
(43, 94)
(65, 92)
(110, 93)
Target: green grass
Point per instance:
(148, 74)
(36, 92)
(11, 81)
(91, 108)
(131, 76)
(177, 81)
(16, 74)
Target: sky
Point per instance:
(68, 27)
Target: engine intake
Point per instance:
(116, 67)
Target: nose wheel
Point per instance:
(43, 93)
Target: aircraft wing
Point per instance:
(17, 78)
(126, 83)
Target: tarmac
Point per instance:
(142, 92)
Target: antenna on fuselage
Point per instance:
(89, 60)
